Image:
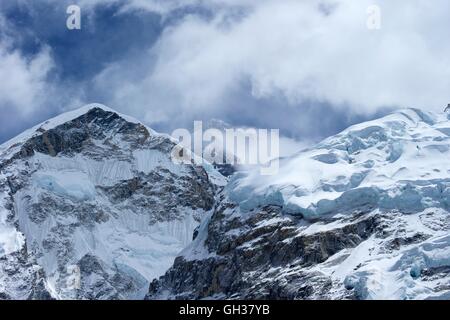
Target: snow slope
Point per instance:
(11, 240)
(396, 162)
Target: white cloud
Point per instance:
(23, 80)
(291, 48)
(273, 48)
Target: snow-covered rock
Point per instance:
(92, 207)
(396, 162)
(362, 215)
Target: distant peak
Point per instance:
(92, 106)
(73, 114)
(67, 117)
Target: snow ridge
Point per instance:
(396, 162)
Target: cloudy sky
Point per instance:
(309, 68)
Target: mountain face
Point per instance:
(362, 215)
(92, 207)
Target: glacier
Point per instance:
(395, 162)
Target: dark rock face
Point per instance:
(20, 273)
(261, 256)
(111, 285)
(268, 254)
(164, 192)
(73, 136)
(225, 169)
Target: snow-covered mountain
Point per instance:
(92, 207)
(364, 214)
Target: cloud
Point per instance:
(304, 51)
(26, 95)
(24, 84)
(45, 69)
(307, 67)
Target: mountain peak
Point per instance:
(73, 114)
(91, 114)
(96, 191)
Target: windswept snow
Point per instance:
(396, 162)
